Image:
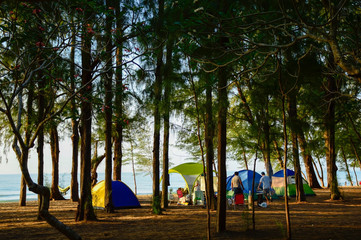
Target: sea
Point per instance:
(10, 184)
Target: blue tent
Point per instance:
(289, 172)
(246, 178)
(279, 186)
(122, 195)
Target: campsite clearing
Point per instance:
(319, 218)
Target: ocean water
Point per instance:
(10, 184)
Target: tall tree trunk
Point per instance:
(209, 136)
(285, 139)
(108, 110)
(96, 160)
(222, 144)
(354, 171)
(29, 116)
(74, 186)
(119, 92)
(85, 209)
(45, 193)
(22, 155)
(40, 139)
(355, 152)
(319, 173)
(133, 165)
(22, 198)
(245, 158)
(202, 154)
(157, 97)
(346, 165)
(279, 156)
(292, 109)
(266, 150)
(330, 139)
(54, 147)
(168, 69)
(285, 145)
(308, 161)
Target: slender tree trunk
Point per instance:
(108, 110)
(354, 171)
(292, 109)
(22, 154)
(29, 116)
(168, 69)
(285, 139)
(285, 144)
(307, 159)
(45, 193)
(279, 156)
(346, 165)
(96, 160)
(133, 165)
(319, 174)
(74, 186)
(40, 138)
(85, 209)
(222, 144)
(266, 146)
(355, 152)
(54, 146)
(22, 200)
(330, 140)
(119, 92)
(209, 136)
(245, 158)
(157, 97)
(202, 155)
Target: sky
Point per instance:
(10, 165)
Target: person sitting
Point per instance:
(183, 199)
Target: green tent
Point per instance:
(190, 173)
(278, 184)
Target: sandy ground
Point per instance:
(319, 218)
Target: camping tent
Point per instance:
(246, 178)
(122, 195)
(190, 173)
(278, 184)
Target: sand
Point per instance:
(318, 218)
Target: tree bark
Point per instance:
(168, 69)
(222, 144)
(308, 161)
(74, 186)
(85, 209)
(157, 97)
(285, 139)
(54, 147)
(119, 92)
(329, 135)
(292, 109)
(355, 152)
(209, 136)
(347, 168)
(108, 111)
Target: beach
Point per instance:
(318, 218)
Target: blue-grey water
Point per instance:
(10, 183)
